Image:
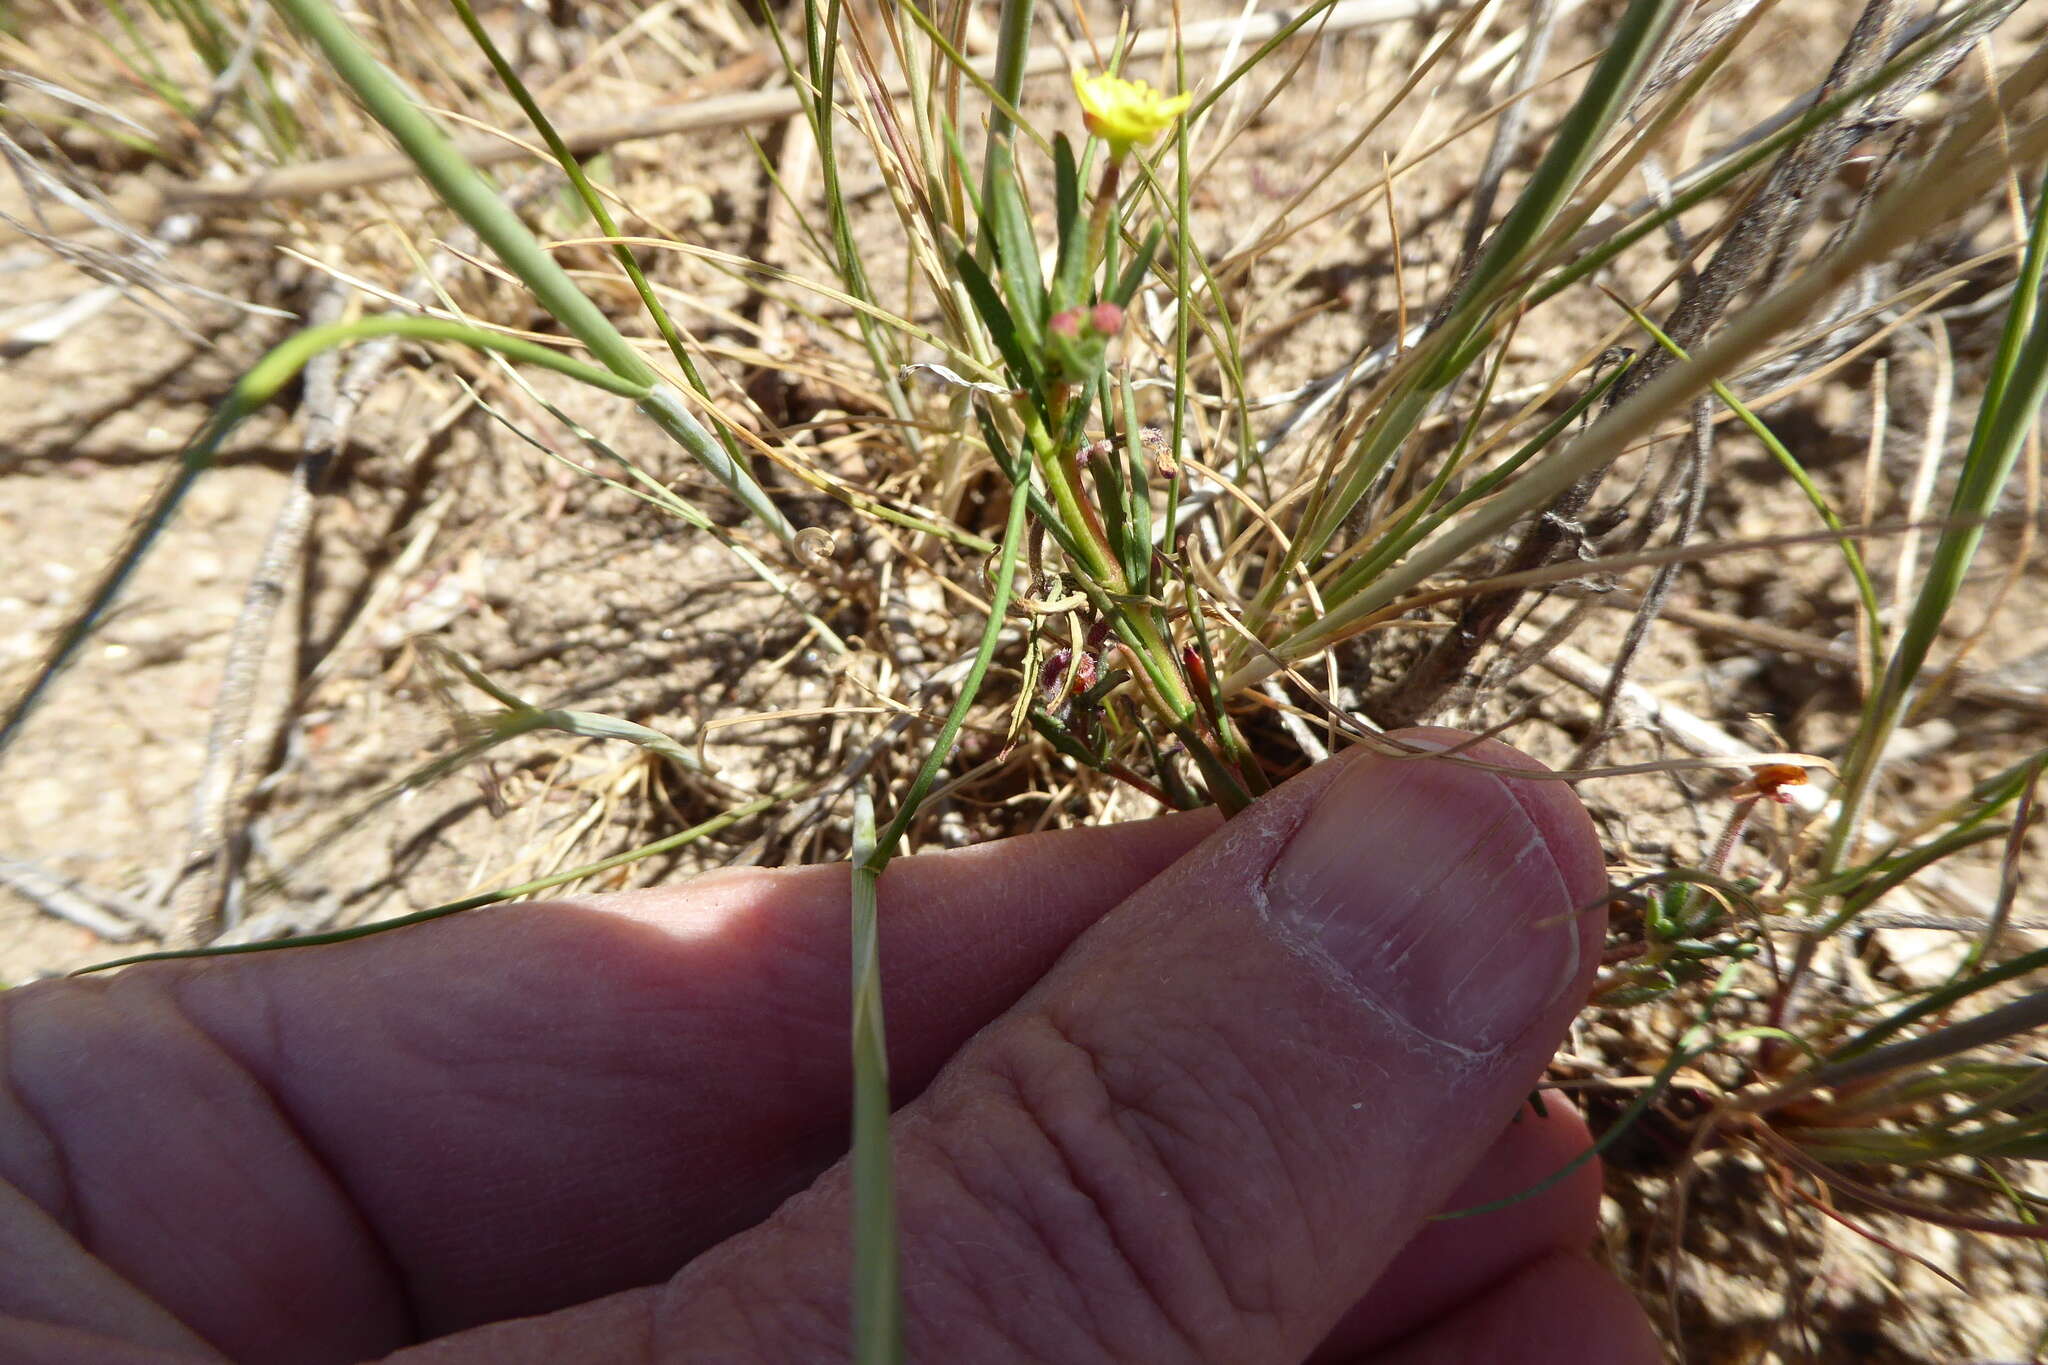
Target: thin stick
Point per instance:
(310, 181)
(112, 918)
(199, 899)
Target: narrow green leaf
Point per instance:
(2011, 407)
(1002, 328)
(1016, 250)
(1071, 221)
(251, 392)
(984, 654)
(1013, 44)
(662, 845)
(1866, 591)
(1137, 503)
(1633, 43)
(1126, 287)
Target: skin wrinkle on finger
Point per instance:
(1028, 1214)
(1054, 1168)
(28, 1341)
(102, 1063)
(773, 1021)
(626, 1326)
(31, 1159)
(1148, 1118)
(72, 1287)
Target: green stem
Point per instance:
(463, 188)
(877, 1258)
(2011, 404)
(942, 746)
(1013, 44)
(1062, 478)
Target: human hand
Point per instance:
(1171, 1092)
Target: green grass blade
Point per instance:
(877, 1264)
(463, 188)
(1865, 589)
(1401, 539)
(251, 392)
(1711, 186)
(1126, 286)
(821, 33)
(970, 688)
(2011, 408)
(593, 203)
(1072, 222)
(1016, 250)
(1903, 213)
(1443, 356)
(2008, 413)
(1013, 46)
(1135, 515)
(1938, 1001)
(665, 844)
(1634, 44)
(995, 315)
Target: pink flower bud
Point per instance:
(1067, 324)
(1107, 318)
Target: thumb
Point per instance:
(1213, 1123)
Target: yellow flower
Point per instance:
(1124, 113)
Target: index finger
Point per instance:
(503, 1113)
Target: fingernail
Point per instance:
(1435, 891)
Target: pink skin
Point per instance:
(591, 1111)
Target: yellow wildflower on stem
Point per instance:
(1126, 114)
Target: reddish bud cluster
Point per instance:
(1086, 668)
(1083, 667)
(1104, 319)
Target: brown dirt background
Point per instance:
(440, 525)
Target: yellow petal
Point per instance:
(1125, 113)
